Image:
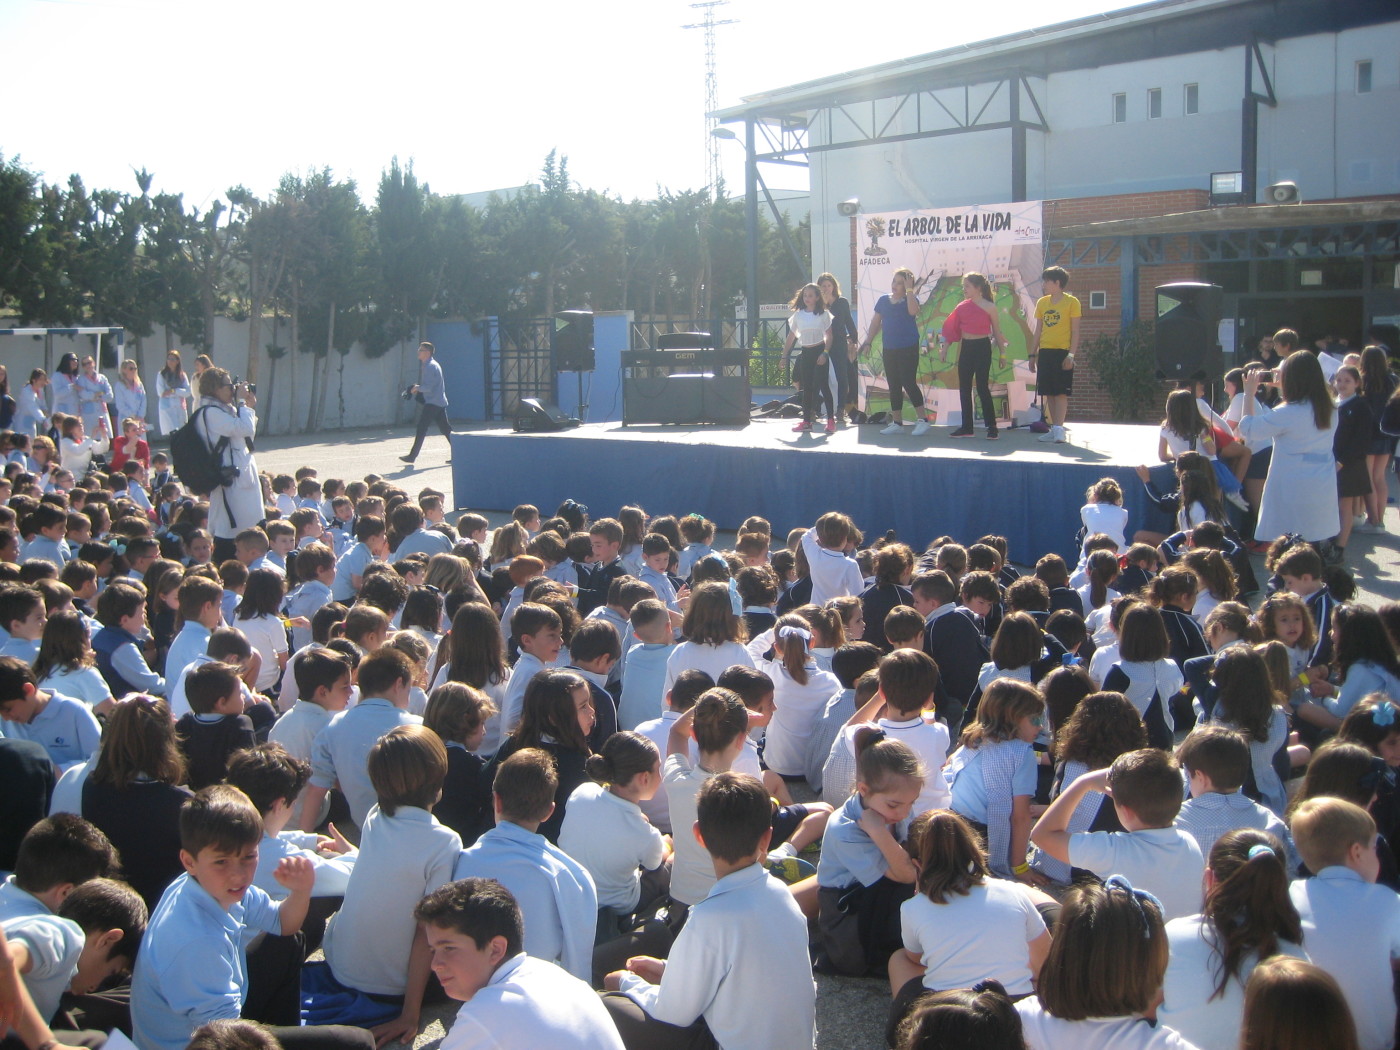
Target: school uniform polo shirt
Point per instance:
(643, 684)
(610, 837)
(16, 903)
(1190, 1005)
(189, 645)
(193, 965)
(304, 601)
(533, 1003)
(340, 752)
(849, 855)
(1044, 1031)
(557, 899)
(1164, 861)
(332, 872)
(423, 541)
(65, 728)
(1209, 816)
(526, 667)
(26, 650)
(1351, 928)
(402, 859)
(54, 945)
(741, 962)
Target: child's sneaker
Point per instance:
(1237, 500)
(893, 428)
(830, 425)
(1058, 434)
(789, 869)
(921, 427)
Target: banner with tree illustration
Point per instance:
(1003, 242)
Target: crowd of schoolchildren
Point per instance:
(564, 772)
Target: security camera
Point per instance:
(848, 207)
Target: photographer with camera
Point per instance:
(431, 394)
(238, 502)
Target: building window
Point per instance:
(1098, 300)
(1363, 77)
(1154, 103)
(1120, 109)
(1192, 102)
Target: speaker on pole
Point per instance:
(1188, 330)
(572, 341)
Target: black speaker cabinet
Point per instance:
(572, 341)
(534, 413)
(1188, 325)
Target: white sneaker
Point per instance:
(893, 428)
(1058, 434)
(1238, 500)
(1047, 437)
(921, 427)
(1359, 520)
(1375, 529)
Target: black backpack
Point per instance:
(199, 468)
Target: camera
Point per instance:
(252, 388)
(407, 394)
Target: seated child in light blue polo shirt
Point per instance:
(64, 726)
(644, 677)
(22, 615)
(193, 967)
(372, 944)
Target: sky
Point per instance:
(210, 95)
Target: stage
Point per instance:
(921, 487)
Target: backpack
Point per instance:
(199, 468)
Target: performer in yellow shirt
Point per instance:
(1056, 342)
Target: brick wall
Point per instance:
(1090, 401)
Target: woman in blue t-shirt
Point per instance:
(895, 315)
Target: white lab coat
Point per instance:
(244, 496)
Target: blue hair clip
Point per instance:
(1120, 882)
(117, 546)
(1260, 850)
(736, 604)
(1383, 714)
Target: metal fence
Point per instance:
(519, 363)
(765, 345)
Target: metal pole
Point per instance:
(751, 231)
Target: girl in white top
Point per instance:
(65, 662)
(476, 656)
(76, 449)
(809, 327)
(828, 632)
(1101, 569)
(1247, 917)
(1103, 974)
(606, 831)
(800, 693)
(713, 632)
(963, 925)
(258, 616)
(1103, 511)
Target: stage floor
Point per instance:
(1016, 486)
(1118, 444)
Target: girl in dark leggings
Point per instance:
(974, 324)
(896, 315)
(843, 345)
(810, 327)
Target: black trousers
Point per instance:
(975, 364)
(901, 374)
(427, 416)
(815, 380)
(847, 382)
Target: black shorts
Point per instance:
(1259, 464)
(785, 822)
(1051, 380)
